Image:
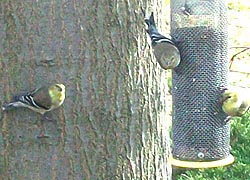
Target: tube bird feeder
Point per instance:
(200, 136)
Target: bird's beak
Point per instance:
(223, 99)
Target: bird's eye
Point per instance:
(228, 97)
(59, 88)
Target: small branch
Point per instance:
(247, 73)
(238, 47)
(243, 87)
(232, 58)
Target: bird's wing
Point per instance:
(41, 98)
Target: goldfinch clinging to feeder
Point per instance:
(165, 50)
(235, 103)
(40, 100)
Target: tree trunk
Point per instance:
(113, 122)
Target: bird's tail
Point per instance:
(11, 105)
(155, 36)
(151, 25)
(16, 102)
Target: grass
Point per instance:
(240, 169)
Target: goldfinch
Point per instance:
(40, 100)
(164, 49)
(235, 103)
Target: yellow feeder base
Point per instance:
(210, 164)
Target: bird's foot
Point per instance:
(42, 135)
(47, 118)
(42, 130)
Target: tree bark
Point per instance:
(113, 123)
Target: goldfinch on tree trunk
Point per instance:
(164, 48)
(40, 100)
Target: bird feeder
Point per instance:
(200, 136)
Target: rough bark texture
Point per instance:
(113, 123)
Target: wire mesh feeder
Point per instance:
(200, 136)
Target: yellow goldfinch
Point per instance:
(165, 50)
(40, 100)
(235, 103)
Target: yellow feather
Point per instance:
(57, 95)
(235, 103)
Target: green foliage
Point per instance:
(237, 5)
(240, 169)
